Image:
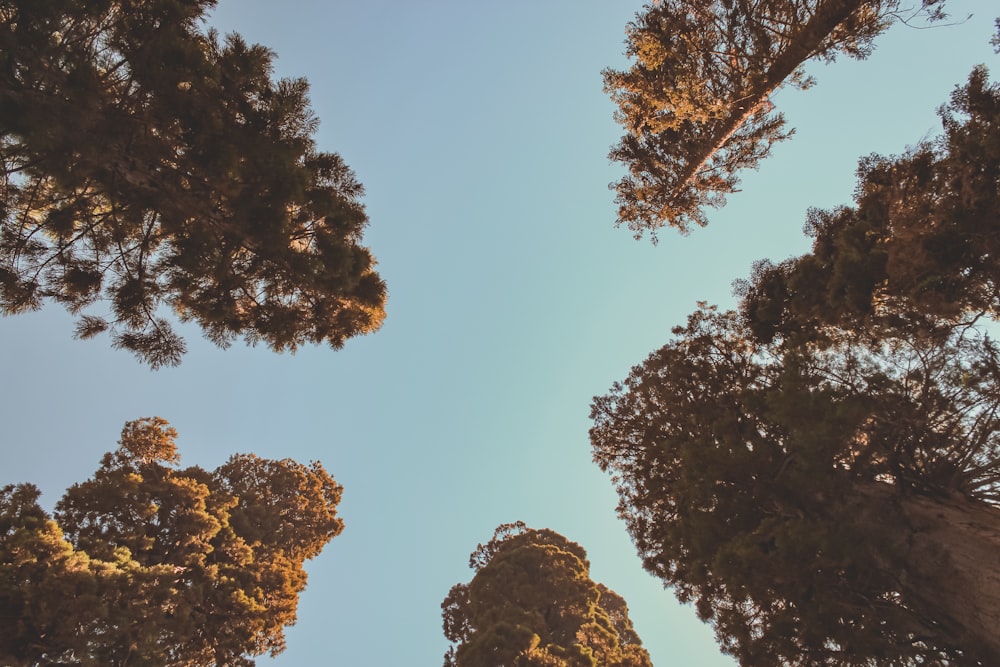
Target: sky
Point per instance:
(480, 132)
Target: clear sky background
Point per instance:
(480, 132)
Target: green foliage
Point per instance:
(148, 165)
(532, 602)
(695, 104)
(919, 251)
(771, 487)
(149, 564)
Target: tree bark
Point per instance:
(953, 568)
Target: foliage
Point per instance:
(532, 602)
(777, 490)
(695, 104)
(150, 165)
(149, 564)
(920, 249)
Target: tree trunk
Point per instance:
(953, 568)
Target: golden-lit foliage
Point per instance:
(695, 104)
(148, 166)
(150, 564)
(532, 602)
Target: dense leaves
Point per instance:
(819, 507)
(695, 103)
(920, 250)
(150, 166)
(532, 602)
(149, 564)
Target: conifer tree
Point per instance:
(695, 104)
(151, 166)
(147, 563)
(532, 602)
(819, 506)
(919, 252)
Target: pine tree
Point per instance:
(695, 104)
(149, 166)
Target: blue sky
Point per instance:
(480, 132)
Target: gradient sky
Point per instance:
(480, 132)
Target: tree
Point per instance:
(919, 250)
(532, 602)
(832, 506)
(148, 165)
(149, 564)
(695, 104)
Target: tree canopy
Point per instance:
(149, 165)
(833, 506)
(149, 564)
(532, 602)
(695, 104)
(918, 251)
(820, 473)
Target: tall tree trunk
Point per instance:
(953, 568)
